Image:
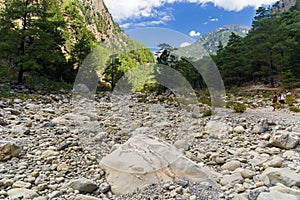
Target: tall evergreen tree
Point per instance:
(31, 32)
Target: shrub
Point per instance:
(239, 107)
(290, 100)
(208, 112)
(229, 104)
(294, 109)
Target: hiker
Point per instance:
(282, 99)
(274, 101)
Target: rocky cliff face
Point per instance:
(283, 5)
(95, 17)
(102, 24)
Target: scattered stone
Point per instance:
(280, 175)
(83, 185)
(104, 187)
(247, 173)
(3, 122)
(55, 194)
(21, 193)
(21, 184)
(86, 197)
(9, 150)
(217, 129)
(274, 162)
(276, 195)
(182, 144)
(231, 166)
(232, 179)
(239, 129)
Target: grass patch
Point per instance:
(294, 109)
(290, 100)
(239, 107)
(208, 113)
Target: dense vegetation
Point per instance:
(32, 34)
(43, 39)
(269, 53)
(48, 40)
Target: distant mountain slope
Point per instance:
(208, 43)
(283, 5)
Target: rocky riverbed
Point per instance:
(119, 147)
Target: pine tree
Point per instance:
(31, 32)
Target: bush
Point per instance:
(294, 109)
(5, 91)
(208, 112)
(229, 104)
(239, 107)
(41, 83)
(7, 74)
(290, 100)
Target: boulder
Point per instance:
(276, 195)
(217, 129)
(83, 185)
(284, 139)
(145, 160)
(284, 176)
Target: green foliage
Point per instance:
(287, 79)
(31, 35)
(43, 83)
(5, 91)
(290, 100)
(294, 109)
(133, 66)
(208, 112)
(269, 52)
(7, 74)
(230, 104)
(239, 107)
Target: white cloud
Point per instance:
(214, 19)
(185, 44)
(136, 9)
(194, 34)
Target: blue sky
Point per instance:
(191, 18)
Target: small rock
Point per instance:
(239, 129)
(104, 187)
(276, 195)
(83, 185)
(182, 144)
(275, 162)
(9, 150)
(55, 194)
(21, 184)
(21, 193)
(231, 166)
(238, 188)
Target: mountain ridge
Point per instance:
(208, 43)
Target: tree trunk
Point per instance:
(22, 45)
(20, 75)
(271, 71)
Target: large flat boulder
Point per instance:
(144, 160)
